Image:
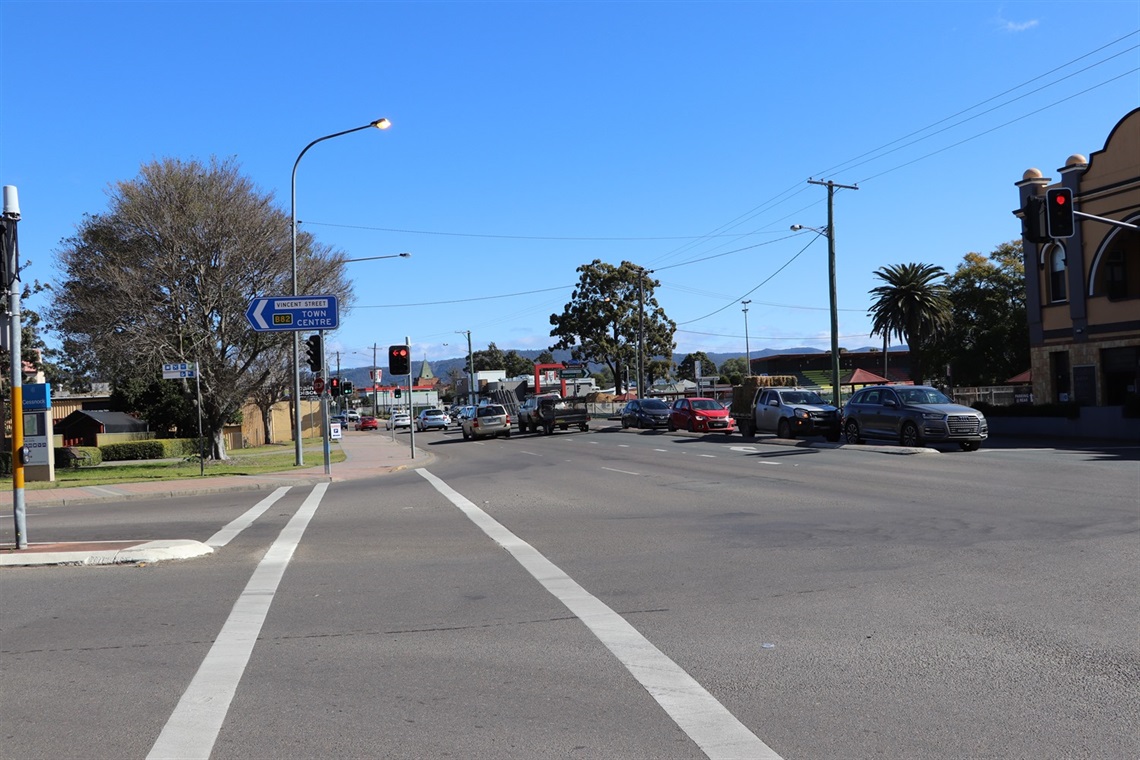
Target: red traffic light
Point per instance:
(399, 360)
(1060, 199)
(1059, 220)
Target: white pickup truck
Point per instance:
(788, 412)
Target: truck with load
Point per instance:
(783, 409)
(546, 411)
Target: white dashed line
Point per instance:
(623, 472)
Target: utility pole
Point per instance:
(11, 289)
(470, 368)
(835, 395)
(747, 350)
(640, 332)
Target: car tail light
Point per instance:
(508, 419)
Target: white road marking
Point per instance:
(706, 721)
(661, 449)
(623, 472)
(530, 453)
(193, 727)
(745, 449)
(765, 461)
(230, 532)
(710, 456)
(623, 445)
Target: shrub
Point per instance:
(1069, 411)
(74, 457)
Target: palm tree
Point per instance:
(914, 305)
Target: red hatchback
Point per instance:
(368, 423)
(700, 415)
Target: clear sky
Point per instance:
(530, 138)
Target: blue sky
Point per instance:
(529, 138)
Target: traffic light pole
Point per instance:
(325, 410)
(10, 250)
(411, 406)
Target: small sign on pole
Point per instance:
(185, 370)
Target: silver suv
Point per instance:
(487, 420)
(913, 415)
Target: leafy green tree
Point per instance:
(912, 304)
(490, 358)
(518, 366)
(600, 323)
(166, 275)
(544, 358)
(734, 370)
(686, 370)
(658, 369)
(987, 339)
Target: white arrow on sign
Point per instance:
(261, 304)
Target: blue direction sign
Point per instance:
(293, 313)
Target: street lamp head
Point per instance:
(797, 227)
(381, 123)
(405, 255)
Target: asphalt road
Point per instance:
(615, 594)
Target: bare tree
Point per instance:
(167, 273)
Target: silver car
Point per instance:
(432, 419)
(913, 415)
(487, 420)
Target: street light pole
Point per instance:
(378, 124)
(747, 350)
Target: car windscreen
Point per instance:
(654, 405)
(802, 397)
(490, 411)
(706, 404)
(922, 396)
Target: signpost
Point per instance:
(189, 371)
(318, 385)
(293, 313)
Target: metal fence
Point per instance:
(994, 395)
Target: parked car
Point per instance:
(547, 411)
(787, 412)
(368, 422)
(432, 419)
(399, 420)
(647, 413)
(913, 415)
(700, 415)
(488, 420)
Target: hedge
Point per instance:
(1069, 411)
(154, 448)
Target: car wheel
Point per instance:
(748, 429)
(692, 425)
(671, 427)
(970, 445)
(466, 436)
(851, 431)
(584, 428)
(624, 424)
(909, 436)
(784, 429)
(507, 434)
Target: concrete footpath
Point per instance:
(367, 454)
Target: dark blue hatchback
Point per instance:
(645, 413)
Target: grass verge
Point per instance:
(256, 461)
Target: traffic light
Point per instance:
(315, 350)
(397, 394)
(346, 388)
(399, 360)
(1059, 212)
(334, 387)
(1033, 220)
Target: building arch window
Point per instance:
(1058, 274)
(1116, 268)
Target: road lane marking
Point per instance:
(230, 532)
(623, 472)
(661, 449)
(193, 727)
(718, 733)
(710, 456)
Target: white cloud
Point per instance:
(1015, 26)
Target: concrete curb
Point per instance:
(151, 551)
